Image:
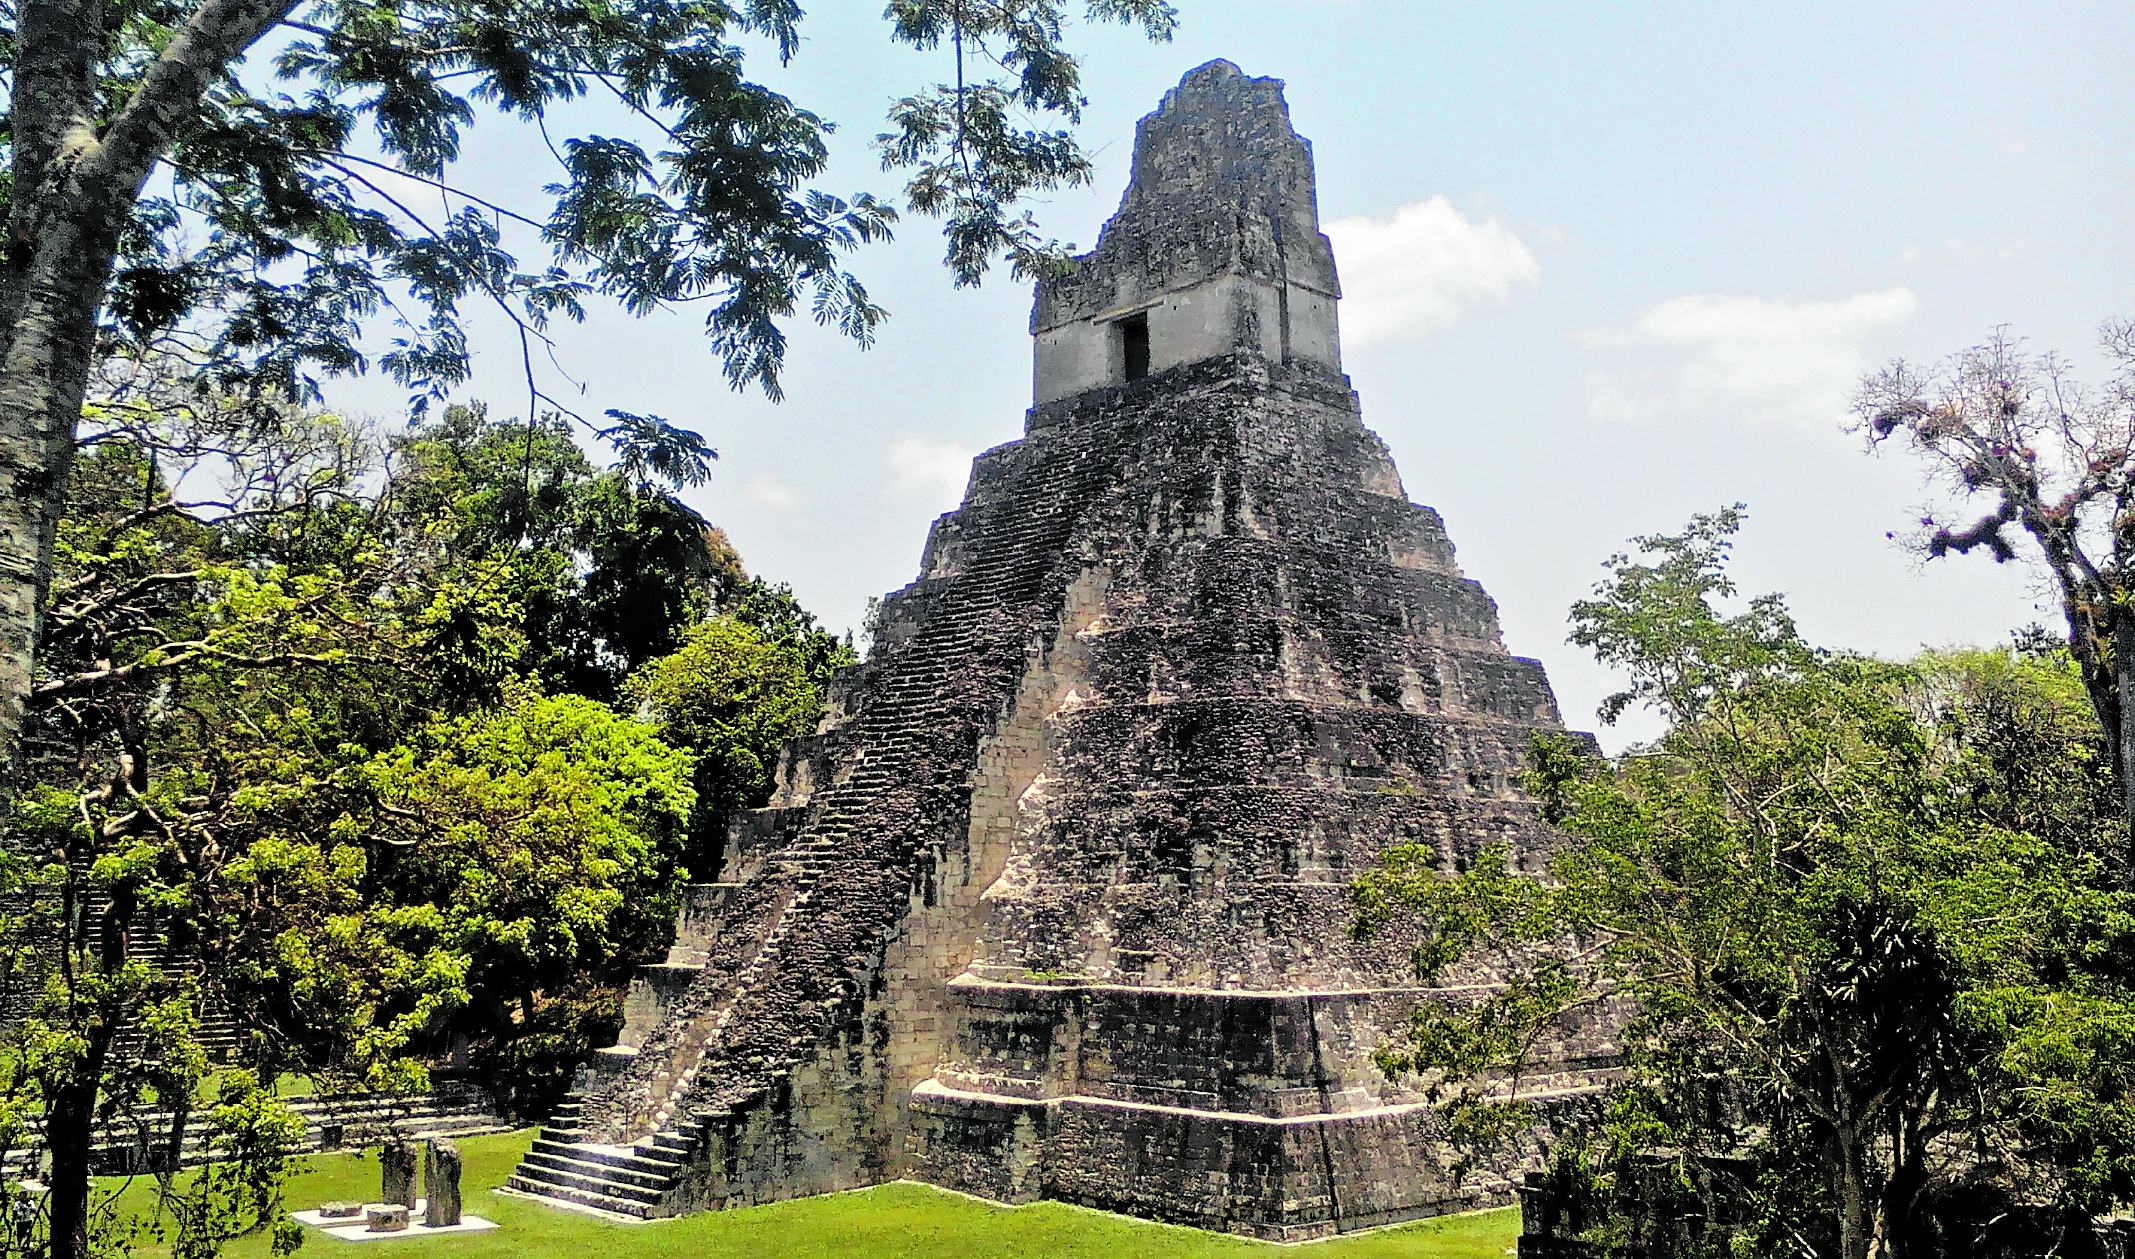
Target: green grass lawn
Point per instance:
(888, 1222)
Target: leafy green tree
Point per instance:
(1874, 983)
(732, 695)
(235, 753)
(160, 192)
(2029, 755)
(533, 853)
(607, 572)
(2055, 463)
(148, 722)
(773, 609)
(648, 575)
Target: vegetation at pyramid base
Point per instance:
(403, 741)
(1863, 919)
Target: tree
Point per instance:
(531, 853)
(608, 572)
(146, 727)
(238, 753)
(733, 696)
(2030, 757)
(159, 194)
(1873, 983)
(2057, 461)
(773, 609)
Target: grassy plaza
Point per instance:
(898, 1221)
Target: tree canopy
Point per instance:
(733, 694)
(2054, 460)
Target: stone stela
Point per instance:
(396, 1173)
(441, 1184)
(1055, 902)
(438, 1211)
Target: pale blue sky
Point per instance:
(1645, 251)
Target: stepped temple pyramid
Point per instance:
(1056, 902)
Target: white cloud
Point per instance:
(771, 492)
(1418, 271)
(1721, 357)
(927, 467)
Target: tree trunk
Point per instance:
(76, 179)
(70, 1120)
(70, 1125)
(42, 381)
(1904, 1191)
(77, 174)
(2123, 738)
(1854, 1232)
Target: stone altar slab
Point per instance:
(354, 1230)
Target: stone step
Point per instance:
(451, 1127)
(660, 1154)
(591, 1181)
(627, 1159)
(656, 1180)
(457, 1126)
(578, 1197)
(560, 1135)
(680, 1142)
(361, 1107)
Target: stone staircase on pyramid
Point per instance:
(792, 918)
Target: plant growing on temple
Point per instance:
(163, 192)
(1871, 1003)
(2035, 463)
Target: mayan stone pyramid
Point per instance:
(1055, 904)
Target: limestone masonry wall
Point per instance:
(1055, 904)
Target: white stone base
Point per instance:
(351, 1228)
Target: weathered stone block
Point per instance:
(396, 1164)
(441, 1184)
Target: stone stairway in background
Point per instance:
(145, 940)
(822, 903)
(333, 1122)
